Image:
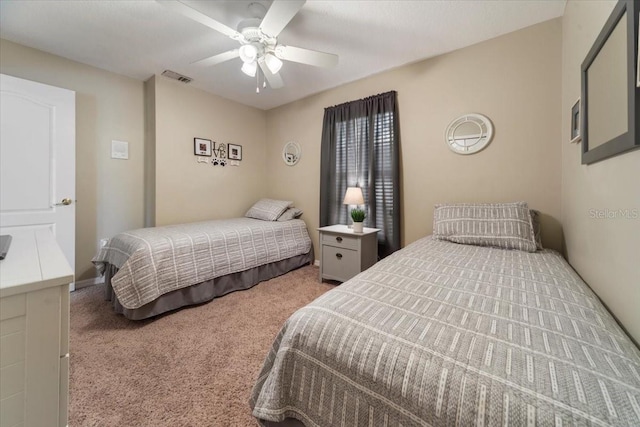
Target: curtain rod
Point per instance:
(380, 95)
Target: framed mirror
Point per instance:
(469, 133)
(610, 95)
(291, 153)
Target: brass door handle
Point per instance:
(64, 202)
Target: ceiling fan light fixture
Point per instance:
(249, 68)
(248, 53)
(258, 39)
(273, 63)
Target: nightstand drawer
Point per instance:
(340, 241)
(339, 263)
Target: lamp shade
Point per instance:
(274, 64)
(248, 53)
(353, 196)
(249, 68)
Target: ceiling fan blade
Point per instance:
(306, 56)
(216, 59)
(275, 81)
(200, 17)
(279, 15)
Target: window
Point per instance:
(361, 149)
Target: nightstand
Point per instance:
(343, 253)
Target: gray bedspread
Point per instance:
(443, 334)
(154, 261)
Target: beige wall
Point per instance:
(513, 79)
(605, 252)
(186, 191)
(108, 106)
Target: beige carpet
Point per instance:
(192, 367)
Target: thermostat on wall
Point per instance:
(119, 150)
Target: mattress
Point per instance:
(151, 262)
(444, 334)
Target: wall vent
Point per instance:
(175, 76)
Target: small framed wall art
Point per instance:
(202, 147)
(575, 122)
(291, 153)
(234, 152)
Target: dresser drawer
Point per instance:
(339, 263)
(340, 241)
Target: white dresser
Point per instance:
(34, 332)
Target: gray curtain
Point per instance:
(360, 148)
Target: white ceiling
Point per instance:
(139, 38)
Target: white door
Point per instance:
(38, 160)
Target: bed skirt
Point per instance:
(288, 422)
(205, 291)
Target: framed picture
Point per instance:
(575, 122)
(202, 147)
(234, 152)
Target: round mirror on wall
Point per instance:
(469, 133)
(291, 153)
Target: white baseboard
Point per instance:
(317, 263)
(89, 282)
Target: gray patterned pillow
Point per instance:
(537, 231)
(500, 225)
(267, 209)
(290, 214)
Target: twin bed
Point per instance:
(154, 270)
(450, 334)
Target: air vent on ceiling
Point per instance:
(175, 76)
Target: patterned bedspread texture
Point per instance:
(155, 261)
(444, 334)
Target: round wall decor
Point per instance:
(469, 133)
(291, 153)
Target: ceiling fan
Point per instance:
(258, 39)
